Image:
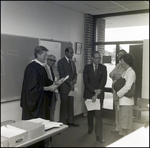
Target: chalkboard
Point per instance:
(16, 54)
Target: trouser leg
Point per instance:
(70, 110)
(116, 104)
(63, 107)
(52, 107)
(98, 123)
(90, 118)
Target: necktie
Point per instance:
(70, 64)
(52, 73)
(96, 66)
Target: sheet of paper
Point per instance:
(92, 106)
(47, 123)
(65, 78)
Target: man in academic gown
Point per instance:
(37, 89)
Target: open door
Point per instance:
(137, 52)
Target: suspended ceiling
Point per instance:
(108, 7)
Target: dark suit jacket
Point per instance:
(64, 70)
(92, 81)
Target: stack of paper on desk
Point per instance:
(92, 105)
(34, 129)
(14, 135)
(47, 123)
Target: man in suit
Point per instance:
(53, 76)
(94, 77)
(66, 66)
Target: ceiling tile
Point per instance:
(113, 10)
(126, 3)
(100, 4)
(137, 7)
(75, 5)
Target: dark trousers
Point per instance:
(52, 107)
(98, 121)
(66, 109)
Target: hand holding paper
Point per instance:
(52, 87)
(60, 81)
(92, 106)
(94, 98)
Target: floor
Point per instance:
(78, 137)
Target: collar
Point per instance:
(67, 58)
(42, 64)
(94, 65)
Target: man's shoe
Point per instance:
(89, 132)
(101, 140)
(73, 124)
(114, 131)
(119, 136)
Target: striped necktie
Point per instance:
(96, 68)
(69, 61)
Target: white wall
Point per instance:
(41, 19)
(145, 71)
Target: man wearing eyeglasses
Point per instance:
(54, 76)
(94, 78)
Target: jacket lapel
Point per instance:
(68, 64)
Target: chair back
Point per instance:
(142, 102)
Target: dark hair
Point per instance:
(67, 49)
(122, 50)
(39, 50)
(128, 58)
(95, 52)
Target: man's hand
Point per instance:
(58, 82)
(116, 96)
(97, 91)
(72, 83)
(94, 98)
(52, 87)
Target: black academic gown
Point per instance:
(35, 102)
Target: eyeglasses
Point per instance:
(97, 58)
(51, 60)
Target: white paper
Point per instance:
(10, 131)
(92, 105)
(65, 78)
(47, 123)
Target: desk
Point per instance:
(138, 138)
(48, 133)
